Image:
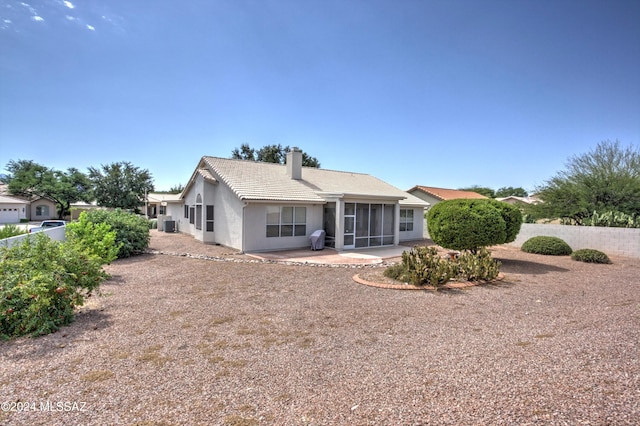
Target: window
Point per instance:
(163, 210)
(186, 212)
(199, 216)
(209, 219)
(406, 220)
(42, 211)
(192, 215)
(286, 221)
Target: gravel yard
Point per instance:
(178, 340)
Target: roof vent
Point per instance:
(294, 163)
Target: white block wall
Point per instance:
(613, 241)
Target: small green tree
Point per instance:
(469, 224)
(482, 190)
(132, 231)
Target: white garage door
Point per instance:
(9, 215)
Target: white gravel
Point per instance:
(178, 340)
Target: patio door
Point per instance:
(349, 225)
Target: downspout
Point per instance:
(243, 230)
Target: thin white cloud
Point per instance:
(69, 4)
(91, 27)
(37, 18)
(71, 18)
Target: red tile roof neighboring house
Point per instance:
(446, 194)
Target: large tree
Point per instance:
(120, 185)
(32, 180)
(510, 191)
(271, 154)
(604, 179)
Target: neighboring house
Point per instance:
(42, 209)
(12, 209)
(434, 195)
(512, 199)
(157, 202)
(256, 206)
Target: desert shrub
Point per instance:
(153, 224)
(132, 231)
(11, 231)
(546, 245)
(395, 272)
(423, 266)
(466, 224)
(41, 283)
(590, 256)
(476, 267)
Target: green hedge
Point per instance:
(553, 246)
(590, 256)
(468, 224)
(132, 231)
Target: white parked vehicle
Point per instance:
(48, 224)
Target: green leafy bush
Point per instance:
(466, 224)
(512, 217)
(132, 231)
(546, 245)
(41, 281)
(11, 231)
(96, 238)
(477, 267)
(590, 256)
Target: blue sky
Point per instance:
(447, 93)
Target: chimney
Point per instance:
(294, 163)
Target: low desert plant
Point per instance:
(424, 266)
(476, 267)
(590, 256)
(553, 246)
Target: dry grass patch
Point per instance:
(97, 376)
(235, 420)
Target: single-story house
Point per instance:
(12, 209)
(434, 195)
(156, 203)
(42, 209)
(512, 199)
(256, 206)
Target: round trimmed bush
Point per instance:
(590, 256)
(553, 246)
(466, 224)
(512, 218)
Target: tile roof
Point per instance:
(258, 181)
(447, 194)
(12, 200)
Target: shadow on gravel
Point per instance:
(526, 267)
(85, 323)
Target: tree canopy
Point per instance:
(32, 180)
(271, 154)
(510, 191)
(604, 179)
(482, 190)
(120, 185)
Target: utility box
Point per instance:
(169, 226)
